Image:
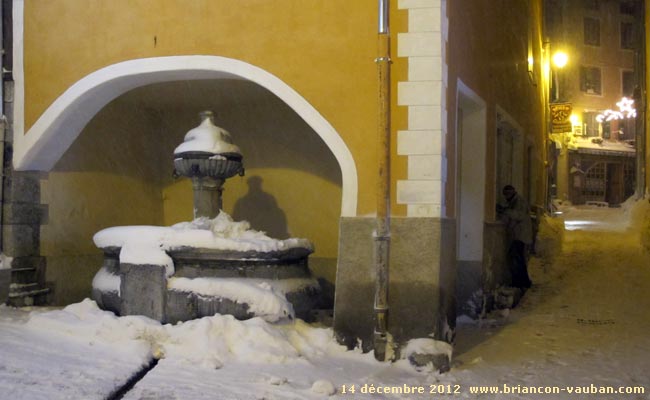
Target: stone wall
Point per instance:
(22, 216)
(495, 269)
(421, 288)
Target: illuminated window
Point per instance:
(590, 80)
(590, 123)
(595, 182)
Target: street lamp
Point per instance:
(559, 123)
(560, 60)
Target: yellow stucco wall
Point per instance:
(103, 180)
(491, 59)
(82, 203)
(323, 49)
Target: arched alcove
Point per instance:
(109, 150)
(44, 143)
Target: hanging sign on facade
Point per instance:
(560, 113)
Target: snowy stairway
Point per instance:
(24, 289)
(27, 294)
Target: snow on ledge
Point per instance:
(104, 281)
(427, 346)
(148, 244)
(263, 299)
(220, 233)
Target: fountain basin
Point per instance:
(153, 271)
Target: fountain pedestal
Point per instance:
(207, 196)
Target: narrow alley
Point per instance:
(585, 321)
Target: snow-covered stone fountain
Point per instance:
(211, 264)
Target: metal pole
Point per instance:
(381, 235)
(3, 125)
(547, 131)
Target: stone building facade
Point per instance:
(297, 86)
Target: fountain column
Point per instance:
(207, 196)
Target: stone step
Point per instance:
(24, 275)
(23, 287)
(26, 298)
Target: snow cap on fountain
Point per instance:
(207, 138)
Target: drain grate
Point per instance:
(583, 321)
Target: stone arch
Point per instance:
(58, 127)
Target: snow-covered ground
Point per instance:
(583, 326)
(597, 218)
(39, 363)
(584, 322)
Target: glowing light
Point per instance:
(560, 59)
(578, 225)
(625, 110)
(574, 119)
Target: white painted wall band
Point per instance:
(423, 94)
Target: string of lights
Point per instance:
(625, 110)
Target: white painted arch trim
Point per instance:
(61, 123)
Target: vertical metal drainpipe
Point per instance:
(381, 235)
(3, 122)
(547, 119)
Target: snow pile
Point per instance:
(323, 386)
(603, 145)
(311, 342)
(210, 342)
(262, 299)
(426, 346)
(81, 352)
(548, 243)
(207, 138)
(223, 226)
(213, 341)
(639, 214)
(148, 244)
(39, 363)
(86, 322)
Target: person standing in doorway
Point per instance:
(516, 217)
